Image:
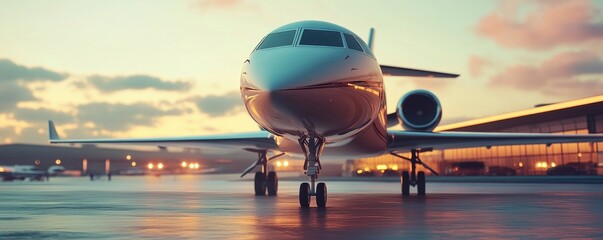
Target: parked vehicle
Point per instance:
(501, 171)
(470, 168)
(574, 168)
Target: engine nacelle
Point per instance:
(419, 110)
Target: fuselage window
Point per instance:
(352, 43)
(278, 39)
(321, 38)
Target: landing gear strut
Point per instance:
(264, 180)
(312, 147)
(413, 179)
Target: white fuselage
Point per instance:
(334, 92)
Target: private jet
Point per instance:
(316, 90)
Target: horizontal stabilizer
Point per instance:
(409, 72)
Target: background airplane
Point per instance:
(316, 90)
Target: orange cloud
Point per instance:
(566, 74)
(477, 65)
(546, 24)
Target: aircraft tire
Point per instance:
(272, 183)
(421, 183)
(304, 195)
(321, 195)
(405, 182)
(259, 183)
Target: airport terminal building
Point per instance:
(583, 116)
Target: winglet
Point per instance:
(371, 39)
(52, 131)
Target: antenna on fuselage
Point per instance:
(371, 38)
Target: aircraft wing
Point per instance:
(409, 72)
(403, 141)
(260, 140)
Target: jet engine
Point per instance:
(419, 110)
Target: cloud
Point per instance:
(565, 74)
(41, 115)
(110, 84)
(120, 117)
(9, 71)
(546, 24)
(218, 105)
(477, 65)
(12, 93)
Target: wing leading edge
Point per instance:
(405, 141)
(409, 72)
(260, 140)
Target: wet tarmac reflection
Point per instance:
(220, 206)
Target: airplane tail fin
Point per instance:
(371, 39)
(52, 132)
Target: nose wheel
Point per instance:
(312, 147)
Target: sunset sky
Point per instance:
(171, 68)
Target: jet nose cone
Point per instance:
(291, 68)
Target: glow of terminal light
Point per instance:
(395, 167)
(381, 167)
(278, 164)
(183, 164)
(1, 169)
(160, 166)
(196, 165)
(285, 163)
(58, 161)
(150, 166)
(359, 171)
(520, 164)
(366, 169)
(133, 164)
(553, 164)
(128, 157)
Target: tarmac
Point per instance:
(223, 206)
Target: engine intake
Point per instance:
(419, 110)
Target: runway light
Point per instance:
(128, 157)
(133, 164)
(58, 161)
(183, 164)
(150, 166)
(359, 171)
(160, 166)
(381, 167)
(278, 164)
(285, 163)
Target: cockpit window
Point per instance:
(352, 43)
(278, 39)
(321, 38)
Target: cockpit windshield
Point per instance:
(321, 38)
(278, 39)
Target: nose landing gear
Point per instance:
(312, 147)
(409, 179)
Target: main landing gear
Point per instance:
(312, 147)
(264, 180)
(412, 178)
